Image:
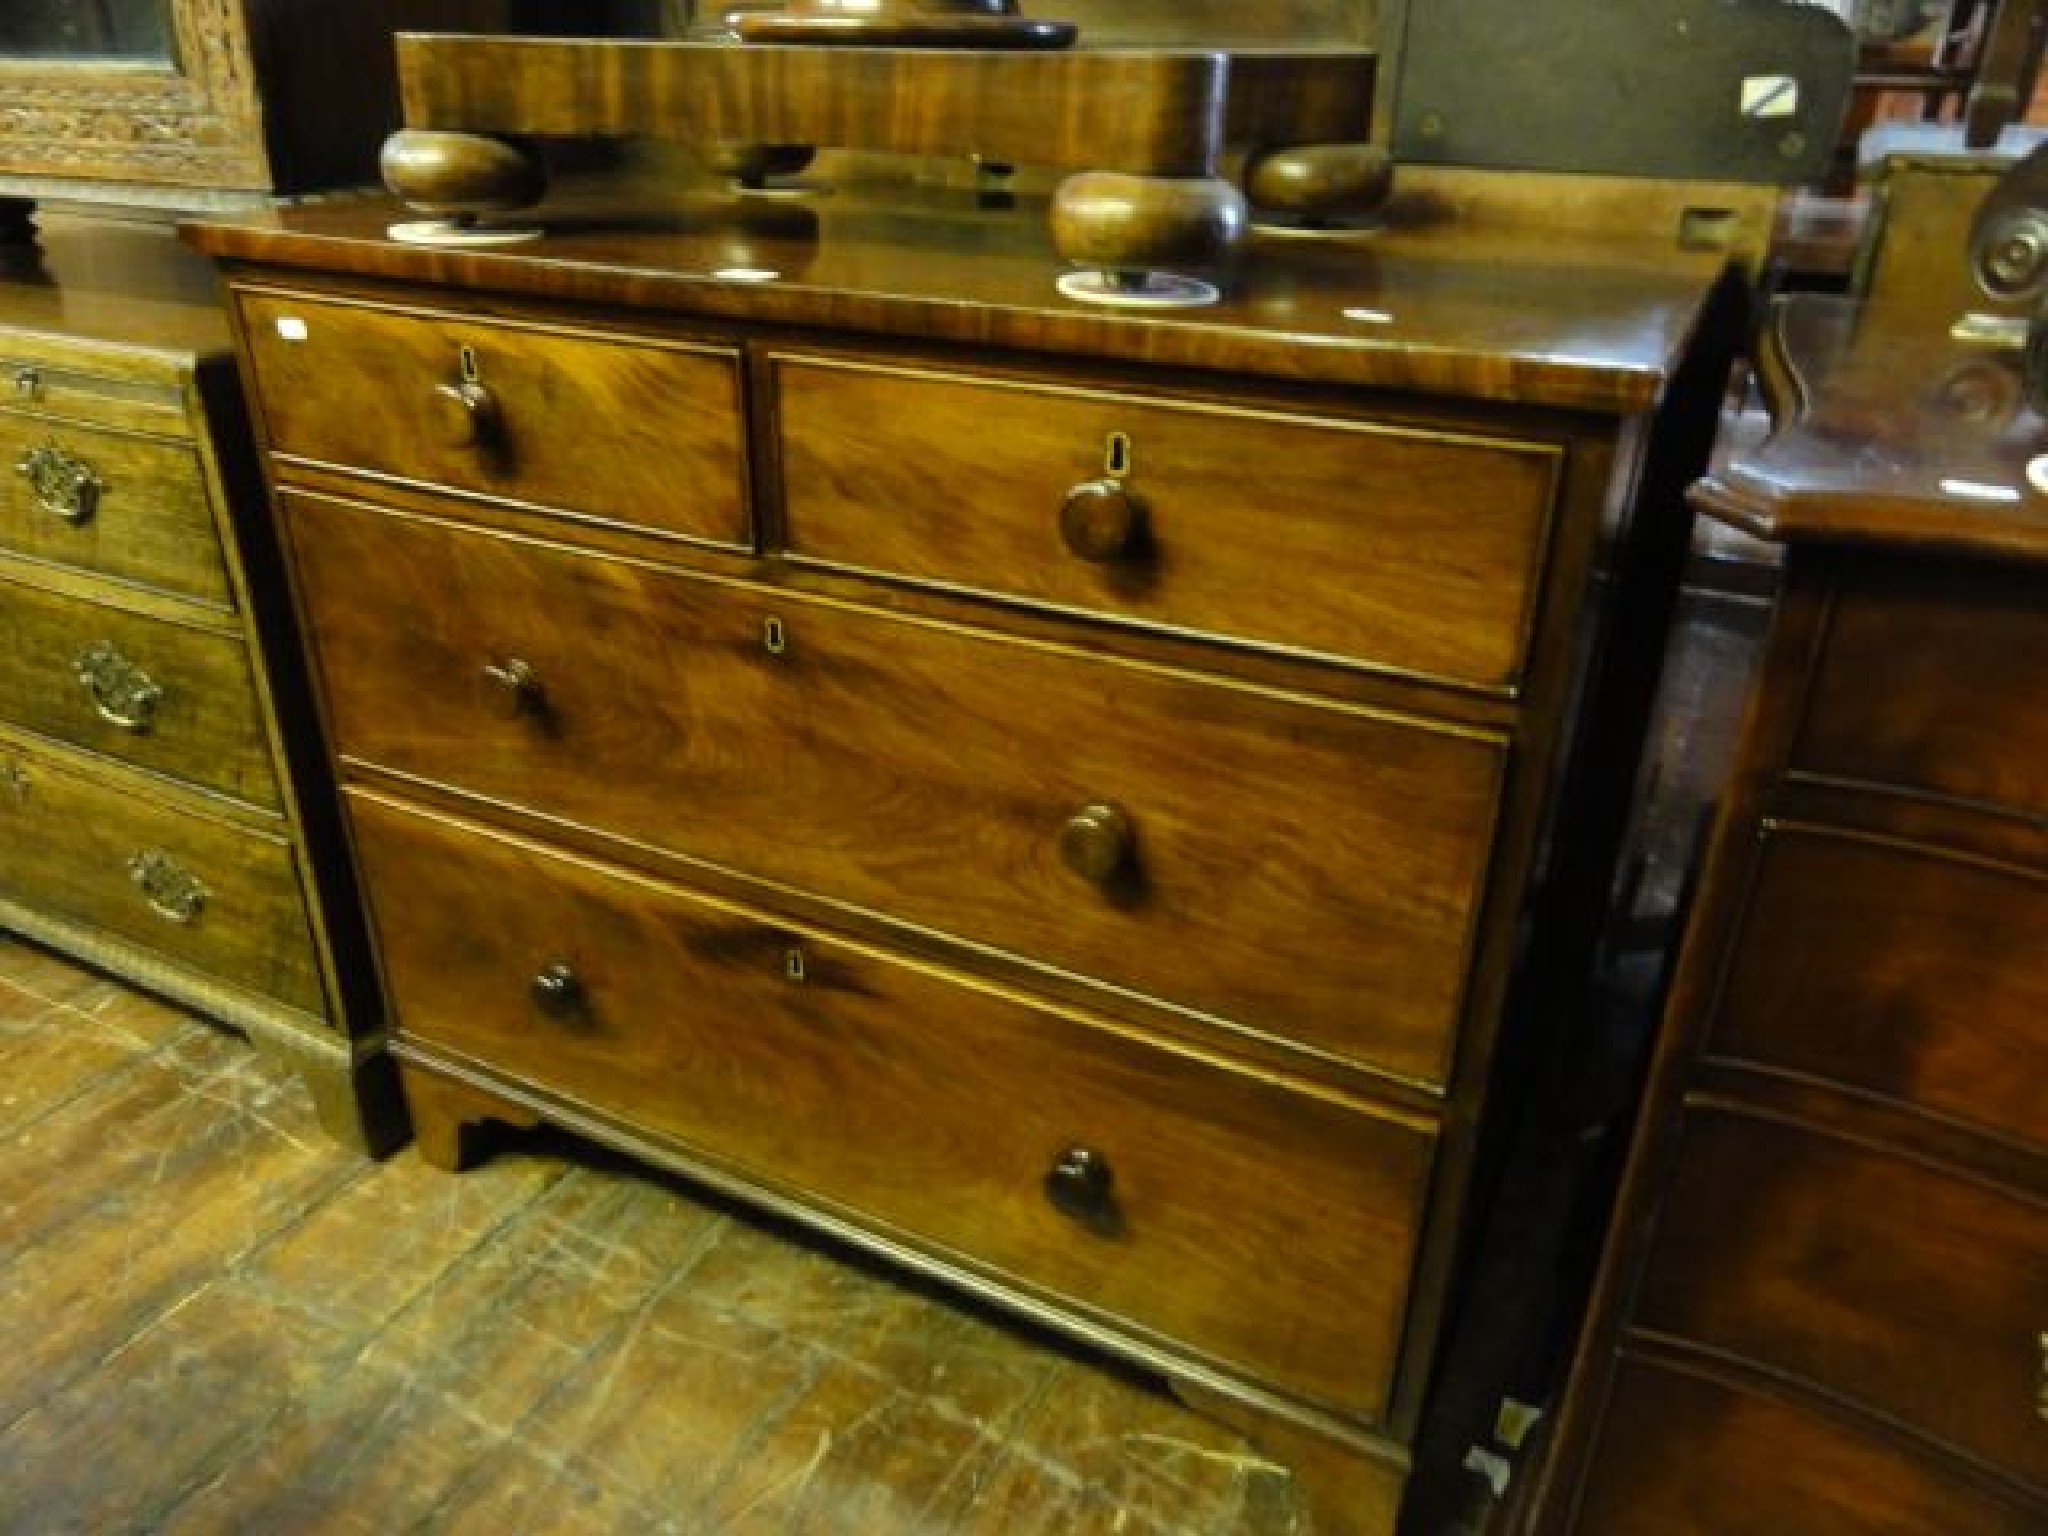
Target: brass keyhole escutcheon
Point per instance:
(15, 778)
(774, 636)
(794, 966)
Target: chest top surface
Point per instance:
(1510, 315)
(1889, 431)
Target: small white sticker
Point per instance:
(1369, 316)
(747, 274)
(1770, 96)
(291, 327)
(1977, 490)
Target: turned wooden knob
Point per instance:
(1098, 843)
(1116, 222)
(460, 175)
(755, 165)
(556, 990)
(513, 688)
(1082, 1188)
(1320, 182)
(1101, 521)
(465, 415)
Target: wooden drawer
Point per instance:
(627, 430)
(1898, 970)
(97, 849)
(1682, 1454)
(163, 696)
(1908, 1291)
(1260, 1228)
(1933, 681)
(129, 507)
(1300, 869)
(1418, 551)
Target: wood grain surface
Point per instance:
(1316, 880)
(1401, 547)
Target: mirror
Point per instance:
(129, 31)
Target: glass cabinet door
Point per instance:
(101, 30)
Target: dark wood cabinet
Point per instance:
(1825, 1304)
(1052, 796)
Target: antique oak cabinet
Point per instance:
(163, 808)
(1825, 1304)
(1058, 796)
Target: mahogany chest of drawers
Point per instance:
(1056, 797)
(159, 791)
(1825, 1303)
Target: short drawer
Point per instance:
(637, 431)
(1686, 1454)
(129, 507)
(1417, 551)
(1931, 681)
(1307, 871)
(1898, 970)
(1263, 1229)
(1908, 1291)
(217, 897)
(174, 699)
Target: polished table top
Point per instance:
(1524, 315)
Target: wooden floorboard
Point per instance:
(215, 1320)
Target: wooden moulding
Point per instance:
(1151, 112)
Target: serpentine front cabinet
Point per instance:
(1048, 795)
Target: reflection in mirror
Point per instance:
(138, 30)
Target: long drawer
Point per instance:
(1915, 1293)
(116, 504)
(1898, 970)
(172, 698)
(1932, 683)
(629, 430)
(1264, 1229)
(1684, 1454)
(1415, 550)
(221, 898)
(1307, 871)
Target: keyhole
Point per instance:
(774, 638)
(471, 374)
(794, 966)
(1116, 456)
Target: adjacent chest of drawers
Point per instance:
(1052, 797)
(1825, 1308)
(152, 817)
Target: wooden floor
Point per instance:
(214, 1320)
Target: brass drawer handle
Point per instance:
(515, 688)
(1102, 520)
(65, 485)
(1100, 844)
(174, 893)
(557, 990)
(1082, 1188)
(121, 692)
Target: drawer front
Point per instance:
(1933, 682)
(1303, 870)
(639, 432)
(1412, 550)
(1259, 1228)
(162, 696)
(222, 899)
(1900, 971)
(1910, 1292)
(132, 508)
(1686, 1455)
